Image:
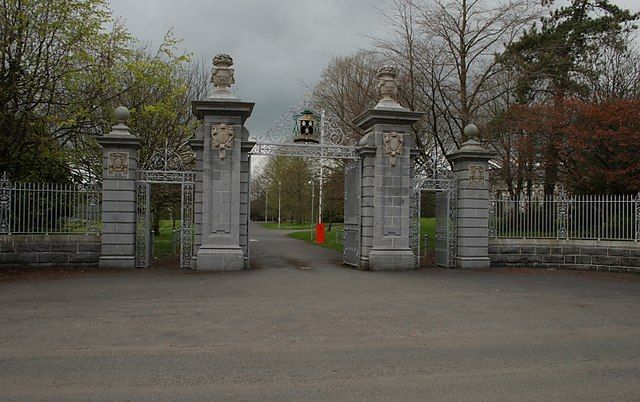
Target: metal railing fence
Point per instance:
(579, 217)
(49, 208)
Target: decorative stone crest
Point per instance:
(222, 76)
(118, 163)
(393, 143)
(387, 87)
(476, 174)
(222, 138)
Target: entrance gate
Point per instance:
(285, 138)
(164, 167)
(444, 184)
(351, 230)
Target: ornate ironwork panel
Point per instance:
(415, 225)
(563, 209)
(445, 185)
(284, 129)
(492, 214)
(453, 227)
(143, 244)
(163, 176)
(442, 229)
(306, 150)
(427, 178)
(352, 194)
(94, 193)
(186, 232)
(637, 210)
(165, 159)
(5, 203)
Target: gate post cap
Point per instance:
(471, 131)
(122, 114)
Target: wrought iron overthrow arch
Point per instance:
(278, 140)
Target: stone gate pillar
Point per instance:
(120, 165)
(223, 174)
(386, 180)
(471, 166)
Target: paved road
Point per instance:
(279, 332)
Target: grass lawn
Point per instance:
(162, 242)
(334, 238)
(286, 225)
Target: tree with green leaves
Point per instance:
(56, 64)
(62, 75)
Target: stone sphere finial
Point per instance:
(387, 87)
(222, 76)
(122, 114)
(471, 131)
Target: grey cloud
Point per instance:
(275, 44)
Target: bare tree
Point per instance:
(347, 87)
(449, 53)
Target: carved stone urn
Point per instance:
(388, 88)
(222, 76)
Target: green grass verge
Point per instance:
(428, 226)
(286, 225)
(163, 241)
(334, 238)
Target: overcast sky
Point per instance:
(275, 44)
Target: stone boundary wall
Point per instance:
(49, 250)
(617, 256)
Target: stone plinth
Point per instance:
(386, 188)
(222, 177)
(120, 165)
(471, 166)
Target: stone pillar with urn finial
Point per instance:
(120, 165)
(386, 150)
(222, 174)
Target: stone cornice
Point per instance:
(389, 116)
(214, 107)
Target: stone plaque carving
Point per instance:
(476, 174)
(119, 163)
(393, 142)
(222, 138)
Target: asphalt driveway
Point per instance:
(299, 326)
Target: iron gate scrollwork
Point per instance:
(415, 225)
(351, 230)
(445, 186)
(143, 243)
(164, 166)
(186, 232)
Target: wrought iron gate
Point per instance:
(444, 184)
(414, 237)
(351, 231)
(442, 230)
(166, 167)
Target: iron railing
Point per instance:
(49, 208)
(579, 217)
